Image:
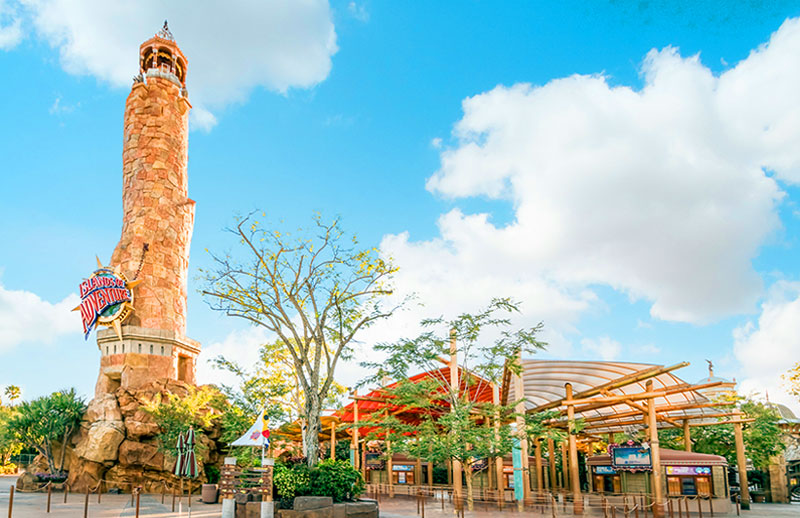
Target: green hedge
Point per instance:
(334, 478)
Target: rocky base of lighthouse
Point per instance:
(117, 443)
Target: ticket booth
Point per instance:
(403, 474)
(606, 479)
(689, 480)
(685, 473)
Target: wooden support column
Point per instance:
(551, 461)
(519, 393)
(333, 440)
(564, 466)
(574, 476)
(498, 461)
(364, 459)
(657, 477)
(430, 473)
(354, 443)
(455, 386)
(418, 471)
(687, 436)
(389, 468)
(539, 473)
(741, 464)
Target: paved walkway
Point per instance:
(33, 505)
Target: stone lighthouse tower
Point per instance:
(157, 222)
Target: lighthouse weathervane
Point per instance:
(106, 299)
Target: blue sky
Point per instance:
(589, 135)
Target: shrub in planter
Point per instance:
(290, 481)
(336, 479)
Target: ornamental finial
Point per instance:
(165, 33)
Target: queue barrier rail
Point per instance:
(136, 491)
(552, 503)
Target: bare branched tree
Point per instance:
(315, 291)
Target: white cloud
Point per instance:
(202, 119)
(647, 349)
(604, 348)
(232, 50)
(60, 108)
(26, 318)
(358, 11)
(768, 348)
(10, 25)
(659, 193)
(240, 346)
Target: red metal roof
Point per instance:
(479, 390)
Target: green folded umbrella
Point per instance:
(180, 456)
(189, 469)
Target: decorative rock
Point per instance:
(103, 408)
(102, 442)
(140, 454)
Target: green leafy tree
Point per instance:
(315, 291)
(44, 421)
(792, 380)
(13, 393)
(9, 444)
(269, 385)
(762, 437)
(199, 409)
(448, 423)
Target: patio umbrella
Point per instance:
(189, 465)
(179, 456)
(189, 469)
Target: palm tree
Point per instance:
(13, 393)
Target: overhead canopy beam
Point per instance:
(664, 408)
(616, 422)
(594, 404)
(622, 381)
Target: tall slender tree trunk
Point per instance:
(313, 427)
(48, 448)
(64, 440)
(468, 477)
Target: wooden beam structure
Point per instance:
(574, 475)
(657, 475)
(454, 386)
(741, 464)
(551, 463)
(620, 382)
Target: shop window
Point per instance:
(703, 486)
(674, 485)
(151, 348)
(140, 348)
(403, 477)
(162, 350)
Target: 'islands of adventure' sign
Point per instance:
(106, 299)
